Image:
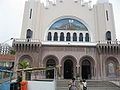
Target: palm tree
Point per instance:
(24, 64)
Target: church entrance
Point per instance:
(68, 69)
(86, 69)
(50, 73)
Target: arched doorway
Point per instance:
(68, 69)
(111, 65)
(26, 59)
(50, 73)
(86, 69)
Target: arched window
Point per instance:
(108, 35)
(74, 37)
(111, 67)
(29, 34)
(87, 37)
(80, 37)
(61, 36)
(68, 38)
(55, 36)
(49, 36)
(68, 24)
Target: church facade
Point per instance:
(80, 39)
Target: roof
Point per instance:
(7, 57)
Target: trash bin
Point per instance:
(6, 86)
(14, 86)
(23, 85)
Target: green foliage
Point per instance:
(12, 52)
(77, 75)
(24, 64)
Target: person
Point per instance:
(72, 84)
(84, 84)
(80, 86)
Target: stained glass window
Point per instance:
(68, 24)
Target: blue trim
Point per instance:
(5, 68)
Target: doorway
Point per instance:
(50, 73)
(86, 69)
(68, 69)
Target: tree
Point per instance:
(24, 64)
(12, 52)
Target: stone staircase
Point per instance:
(92, 85)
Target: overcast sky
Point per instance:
(11, 14)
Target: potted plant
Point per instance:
(78, 76)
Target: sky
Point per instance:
(11, 15)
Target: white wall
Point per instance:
(41, 85)
(93, 18)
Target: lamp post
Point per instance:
(7, 40)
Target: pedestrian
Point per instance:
(80, 85)
(72, 84)
(84, 84)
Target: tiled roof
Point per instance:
(7, 57)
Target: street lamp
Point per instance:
(7, 40)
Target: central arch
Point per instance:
(68, 69)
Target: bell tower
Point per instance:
(105, 20)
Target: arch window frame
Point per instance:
(49, 37)
(87, 37)
(81, 37)
(108, 35)
(74, 36)
(68, 37)
(61, 36)
(29, 34)
(55, 36)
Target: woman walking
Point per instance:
(80, 85)
(72, 84)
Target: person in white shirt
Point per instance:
(84, 84)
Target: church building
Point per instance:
(72, 34)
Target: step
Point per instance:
(92, 85)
